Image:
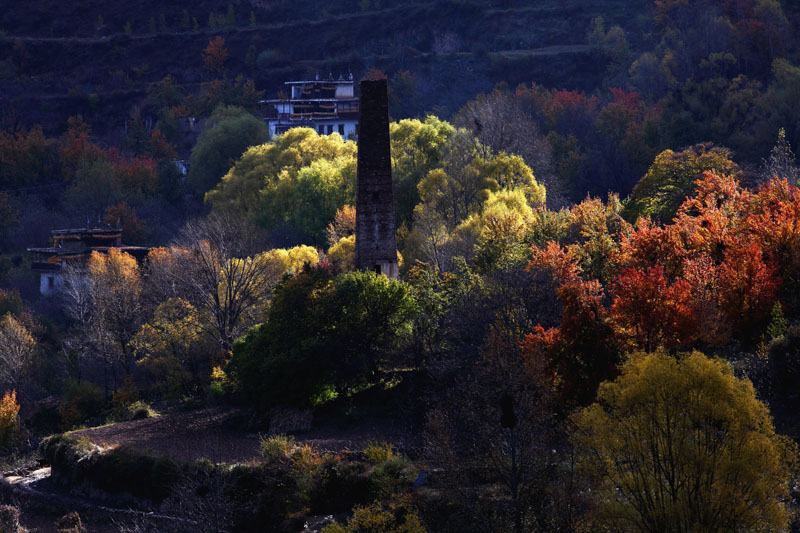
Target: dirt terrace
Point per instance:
(208, 433)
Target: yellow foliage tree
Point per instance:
(683, 445)
(343, 253)
(16, 350)
(170, 345)
(9, 419)
(115, 288)
(292, 259)
(261, 168)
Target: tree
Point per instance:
(343, 225)
(170, 346)
(123, 216)
(671, 178)
(300, 208)
(9, 420)
(325, 335)
(651, 312)
(469, 173)
(747, 287)
(214, 264)
(215, 54)
(683, 445)
(497, 426)
(582, 351)
(781, 162)
(17, 347)
(416, 150)
(115, 291)
(230, 131)
(500, 122)
(261, 168)
(94, 189)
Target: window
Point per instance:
(330, 129)
(341, 130)
(50, 282)
(321, 129)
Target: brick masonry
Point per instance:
(376, 246)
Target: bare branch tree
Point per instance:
(216, 265)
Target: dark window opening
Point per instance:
(341, 130)
(377, 269)
(50, 282)
(321, 129)
(330, 129)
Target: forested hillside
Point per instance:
(98, 58)
(596, 322)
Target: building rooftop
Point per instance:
(309, 82)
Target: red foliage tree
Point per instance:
(76, 147)
(651, 244)
(124, 216)
(581, 351)
(559, 262)
(215, 54)
(710, 221)
(649, 312)
(748, 287)
(773, 219)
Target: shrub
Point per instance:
(276, 447)
(392, 476)
(137, 410)
(269, 58)
(70, 523)
(378, 452)
(399, 518)
(9, 420)
(81, 402)
(9, 519)
(305, 464)
(341, 483)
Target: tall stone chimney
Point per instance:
(376, 247)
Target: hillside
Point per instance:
(99, 58)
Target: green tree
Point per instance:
(324, 336)
(671, 178)
(231, 130)
(416, 150)
(300, 167)
(470, 171)
(304, 206)
(683, 445)
(94, 188)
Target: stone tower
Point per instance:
(376, 247)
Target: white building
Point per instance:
(327, 106)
